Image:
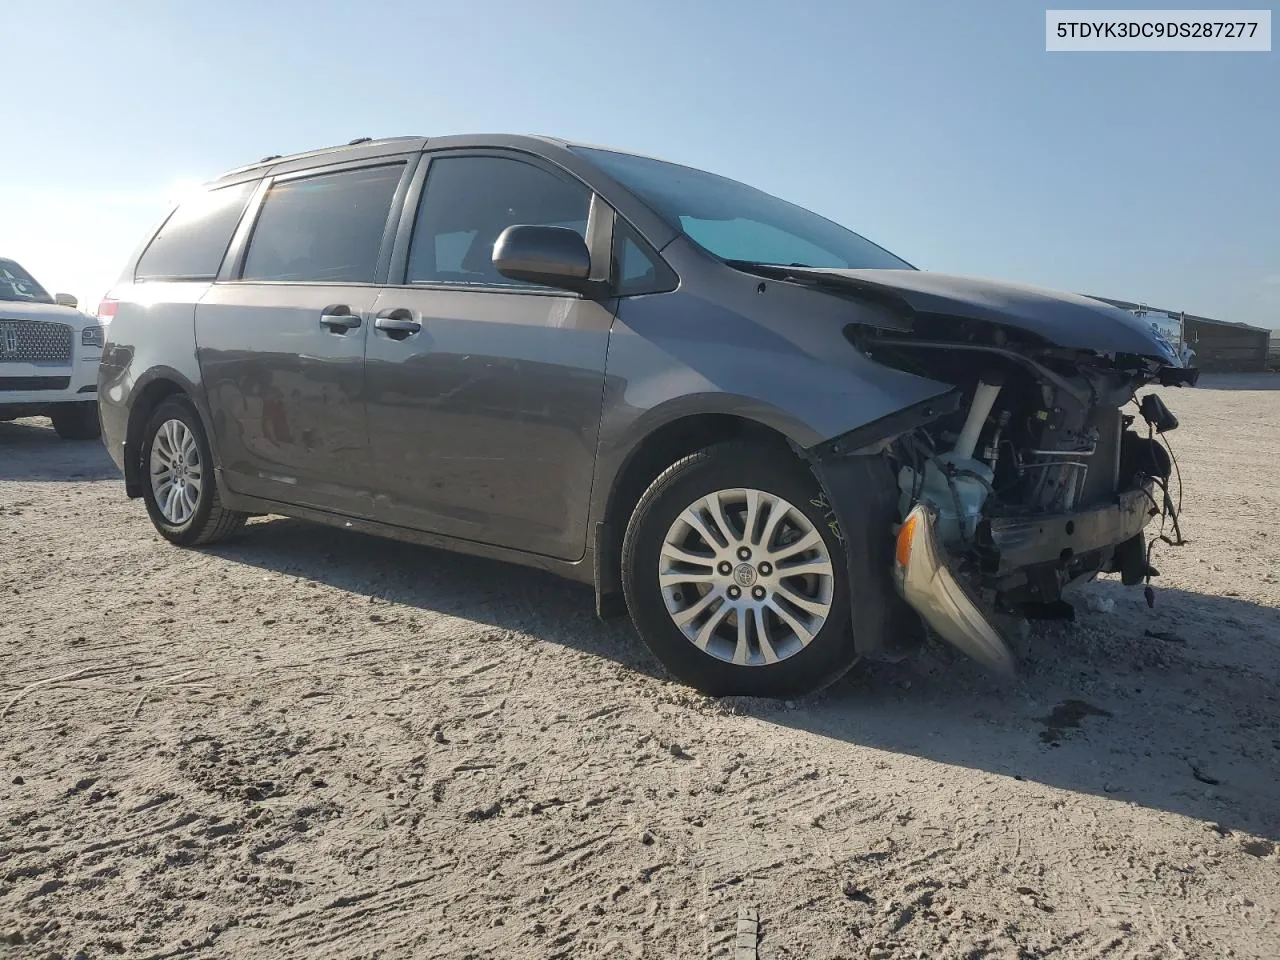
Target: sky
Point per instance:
(943, 131)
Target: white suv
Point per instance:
(49, 354)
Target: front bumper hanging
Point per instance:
(927, 584)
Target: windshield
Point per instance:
(737, 222)
(17, 284)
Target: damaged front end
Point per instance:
(924, 579)
(1028, 477)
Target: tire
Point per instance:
(731, 473)
(199, 517)
(77, 420)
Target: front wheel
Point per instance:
(181, 491)
(736, 577)
(76, 421)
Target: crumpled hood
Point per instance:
(51, 312)
(1063, 319)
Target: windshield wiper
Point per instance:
(773, 270)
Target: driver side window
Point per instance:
(468, 201)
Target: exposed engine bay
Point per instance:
(1039, 468)
(1049, 472)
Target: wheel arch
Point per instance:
(862, 499)
(158, 387)
(658, 449)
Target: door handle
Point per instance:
(339, 319)
(397, 324)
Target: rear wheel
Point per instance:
(76, 421)
(734, 577)
(180, 491)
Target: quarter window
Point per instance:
(469, 201)
(193, 241)
(634, 270)
(323, 229)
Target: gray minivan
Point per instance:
(778, 446)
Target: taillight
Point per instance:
(107, 308)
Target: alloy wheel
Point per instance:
(746, 576)
(176, 471)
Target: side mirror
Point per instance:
(551, 256)
(65, 300)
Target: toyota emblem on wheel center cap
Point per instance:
(744, 574)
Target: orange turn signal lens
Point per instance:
(905, 535)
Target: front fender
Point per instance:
(677, 354)
(776, 357)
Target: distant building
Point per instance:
(1219, 345)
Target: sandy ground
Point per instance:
(310, 743)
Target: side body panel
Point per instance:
(286, 394)
(284, 383)
(581, 571)
(483, 422)
(152, 337)
(483, 425)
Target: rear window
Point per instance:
(323, 229)
(193, 241)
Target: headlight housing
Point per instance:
(93, 336)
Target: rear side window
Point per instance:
(469, 201)
(193, 241)
(323, 229)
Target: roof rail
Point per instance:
(359, 141)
